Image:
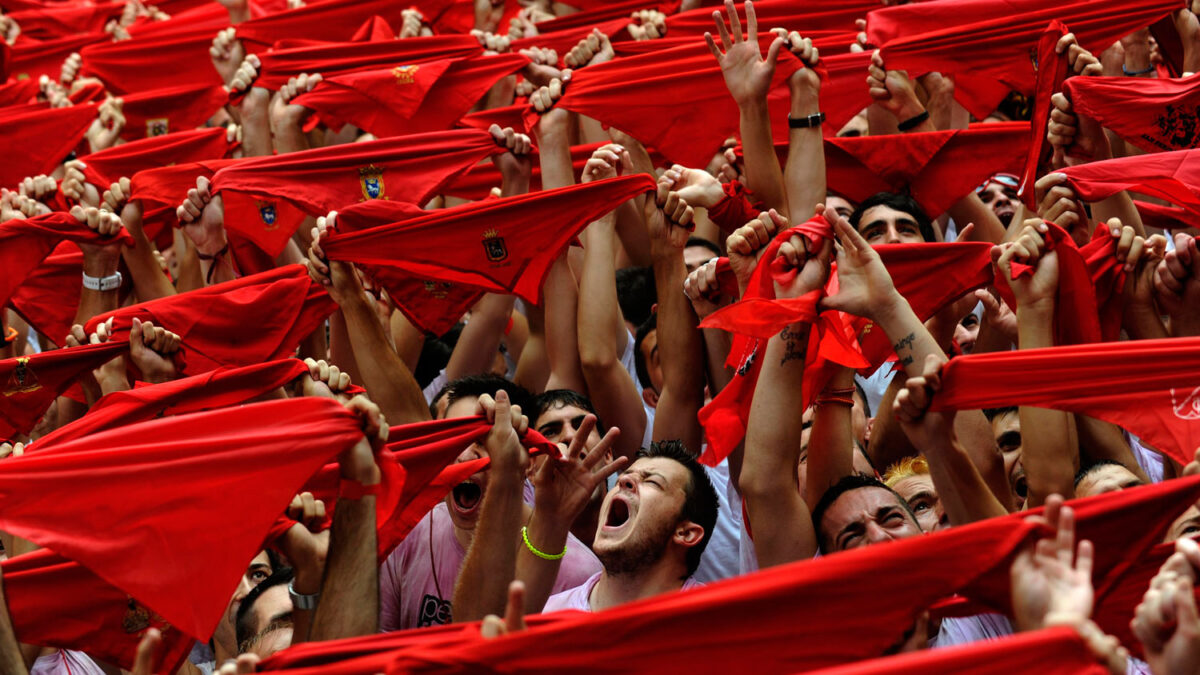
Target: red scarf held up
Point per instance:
(937, 168)
(852, 340)
(1108, 279)
(656, 105)
(517, 239)
(123, 161)
(1075, 315)
(164, 111)
(994, 41)
(1173, 176)
(218, 388)
(374, 29)
(61, 21)
(55, 602)
(31, 383)
(124, 66)
(808, 19)
(1156, 115)
(1145, 386)
(25, 243)
(168, 185)
(211, 322)
(326, 21)
(33, 59)
(1051, 651)
(57, 130)
(1051, 71)
(48, 298)
(478, 182)
(1165, 217)
(266, 198)
(337, 58)
(411, 98)
(165, 487)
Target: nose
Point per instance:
(893, 235)
(876, 534)
(626, 482)
(568, 433)
(471, 453)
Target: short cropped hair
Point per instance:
(474, 386)
(639, 359)
(899, 202)
(557, 398)
(993, 413)
(242, 628)
(846, 484)
(700, 504)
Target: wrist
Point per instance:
(101, 263)
(547, 529)
(755, 105)
(891, 312)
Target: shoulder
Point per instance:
(579, 565)
(572, 598)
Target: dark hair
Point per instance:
(1100, 463)
(993, 413)
(557, 398)
(862, 393)
(703, 243)
(435, 356)
(474, 386)
(700, 504)
(899, 202)
(242, 628)
(639, 359)
(636, 293)
(856, 481)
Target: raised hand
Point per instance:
(1177, 286)
(103, 222)
(811, 266)
(542, 68)
(1052, 580)
(492, 43)
(864, 284)
(503, 442)
(339, 279)
(808, 54)
(703, 288)
(563, 485)
(70, 69)
(998, 315)
(747, 72)
(1029, 248)
(493, 626)
(9, 29)
(1167, 622)
(75, 186)
(647, 24)
(227, 54)
(283, 111)
(892, 90)
(594, 48)
(545, 97)
(358, 462)
(150, 349)
(1079, 60)
(38, 187)
(245, 75)
(747, 243)
(607, 161)
(109, 123)
(17, 206)
(926, 430)
(1058, 203)
(117, 194)
(695, 186)
(412, 24)
(668, 218)
(323, 379)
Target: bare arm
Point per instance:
(11, 660)
(149, 282)
(831, 441)
(804, 175)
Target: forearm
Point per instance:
(804, 176)
(631, 230)
(1142, 322)
(11, 660)
(680, 349)
(971, 209)
(548, 535)
(763, 175)
(477, 346)
(1119, 205)
(190, 275)
(831, 442)
(93, 303)
(910, 339)
(562, 341)
(964, 494)
(779, 518)
(349, 604)
(1105, 441)
(600, 326)
(717, 344)
(149, 282)
(388, 380)
(973, 433)
(491, 561)
(256, 124)
(1048, 450)
(289, 132)
(889, 444)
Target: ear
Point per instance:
(650, 397)
(688, 534)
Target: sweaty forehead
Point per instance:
(559, 413)
(884, 213)
(855, 504)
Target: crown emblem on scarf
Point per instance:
(405, 74)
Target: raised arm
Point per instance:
(1049, 450)
(349, 604)
(387, 380)
(779, 517)
(748, 76)
(601, 328)
(804, 175)
(11, 660)
(491, 561)
(680, 347)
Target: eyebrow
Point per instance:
(1009, 437)
(923, 494)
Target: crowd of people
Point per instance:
(518, 335)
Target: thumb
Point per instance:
(147, 652)
(503, 410)
(1185, 607)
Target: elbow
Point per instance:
(596, 360)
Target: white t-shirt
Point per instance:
(722, 556)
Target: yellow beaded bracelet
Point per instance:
(532, 549)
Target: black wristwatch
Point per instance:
(813, 120)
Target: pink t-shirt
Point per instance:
(412, 595)
(65, 662)
(577, 598)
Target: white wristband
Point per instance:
(108, 283)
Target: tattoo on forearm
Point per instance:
(795, 344)
(905, 343)
(906, 360)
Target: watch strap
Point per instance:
(300, 601)
(807, 122)
(108, 283)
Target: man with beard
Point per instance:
(654, 525)
(418, 578)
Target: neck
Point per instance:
(611, 590)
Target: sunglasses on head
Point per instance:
(1005, 179)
